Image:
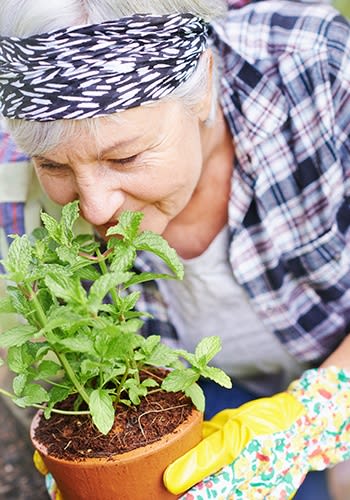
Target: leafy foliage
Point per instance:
(83, 337)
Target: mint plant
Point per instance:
(80, 333)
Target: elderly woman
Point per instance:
(230, 131)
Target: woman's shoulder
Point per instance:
(273, 27)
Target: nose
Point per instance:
(99, 201)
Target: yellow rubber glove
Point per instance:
(52, 490)
(227, 434)
(265, 448)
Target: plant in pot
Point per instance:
(110, 401)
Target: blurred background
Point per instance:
(343, 6)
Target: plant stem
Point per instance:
(64, 412)
(52, 382)
(60, 356)
(7, 394)
(73, 378)
(104, 269)
(137, 373)
(30, 293)
(121, 385)
(41, 407)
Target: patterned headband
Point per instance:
(93, 70)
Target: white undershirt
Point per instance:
(210, 302)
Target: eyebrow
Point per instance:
(50, 162)
(103, 153)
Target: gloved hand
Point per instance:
(50, 483)
(270, 444)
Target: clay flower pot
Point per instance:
(134, 475)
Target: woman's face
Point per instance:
(149, 161)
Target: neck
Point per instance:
(215, 137)
(196, 226)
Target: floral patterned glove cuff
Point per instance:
(325, 393)
(50, 483)
(275, 465)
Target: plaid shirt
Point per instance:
(285, 92)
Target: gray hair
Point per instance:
(27, 17)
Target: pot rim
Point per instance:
(142, 451)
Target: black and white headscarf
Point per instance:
(94, 70)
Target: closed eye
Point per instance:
(124, 161)
(52, 165)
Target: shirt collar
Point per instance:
(248, 94)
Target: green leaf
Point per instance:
(20, 358)
(90, 368)
(65, 287)
(123, 255)
(156, 244)
(17, 336)
(47, 369)
(79, 343)
(19, 302)
(151, 343)
(6, 305)
(70, 214)
(32, 394)
(52, 226)
(102, 410)
(144, 277)
(149, 382)
(132, 325)
(117, 346)
(106, 343)
(69, 255)
(87, 243)
(207, 348)
(179, 380)
(188, 356)
(19, 384)
(19, 258)
(56, 394)
(45, 298)
(38, 234)
(135, 390)
(128, 225)
(195, 393)
(102, 286)
(217, 375)
(66, 318)
(129, 302)
(87, 273)
(160, 355)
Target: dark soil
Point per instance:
(76, 437)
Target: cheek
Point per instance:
(176, 172)
(59, 189)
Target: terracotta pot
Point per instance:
(135, 475)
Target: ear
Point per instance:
(205, 104)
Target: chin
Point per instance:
(155, 227)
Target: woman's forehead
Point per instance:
(134, 128)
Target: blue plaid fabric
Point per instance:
(8, 150)
(11, 214)
(285, 92)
